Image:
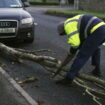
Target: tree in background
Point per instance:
(71, 1)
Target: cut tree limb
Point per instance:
(15, 54)
(51, 64)
(92, 79)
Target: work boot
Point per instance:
(96, 72)
(65, 81)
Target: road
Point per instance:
(45, 91)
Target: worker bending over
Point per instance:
(85, 33)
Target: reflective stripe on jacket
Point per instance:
(72, 28)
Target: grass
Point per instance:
(75, 12)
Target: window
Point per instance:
(10, 4)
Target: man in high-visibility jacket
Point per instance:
(85, 34)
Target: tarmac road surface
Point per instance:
(45, 91)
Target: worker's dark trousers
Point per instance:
(89, 48)
(96, 58)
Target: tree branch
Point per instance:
(51, 64)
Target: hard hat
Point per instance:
(60, 28)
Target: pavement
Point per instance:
(44, 8)
(6, 97)
(11, 93)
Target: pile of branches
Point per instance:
(93, 86)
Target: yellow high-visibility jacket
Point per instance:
(72, 29)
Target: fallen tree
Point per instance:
(93, 86)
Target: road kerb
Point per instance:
(27, 97)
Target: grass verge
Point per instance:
(68, 13)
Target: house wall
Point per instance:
(92, 5)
